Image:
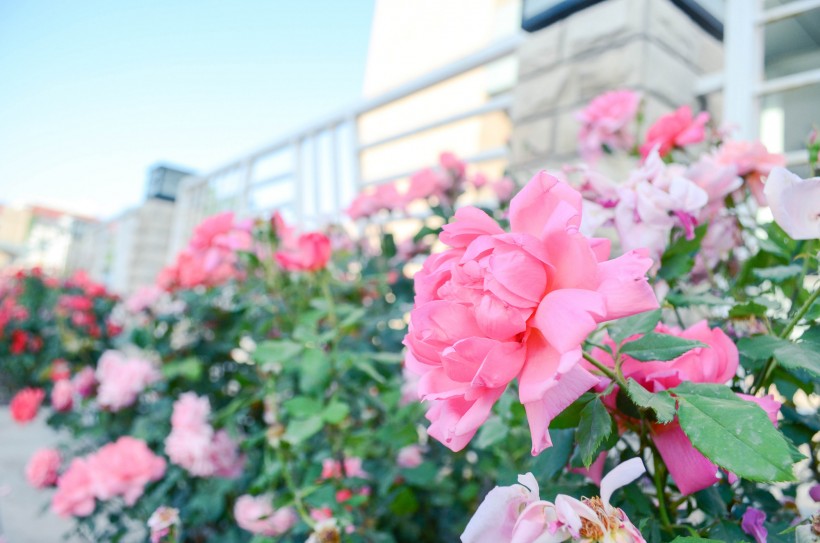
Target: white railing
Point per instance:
(743, 82)
(311, 174)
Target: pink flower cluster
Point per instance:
(675, 130)
(122, 379)
(257, 515)
(120, 469)
(300, 252)
(605, 123)
(194, 445)
(517, 514)
(498, 305)
(42, 468)
(211, 256)
(717, 363)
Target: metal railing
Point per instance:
(313, 173)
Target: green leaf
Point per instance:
(636, 324)
(662, 347)
(280, 351)
(799, 356)
(571, 416)
(733, 433)
(314, 370)
(303, 407)
(336, 412)
(747, 310)
(492, 431)
(662, 404)
(302, 429)
(760, 347)
(686, 300)
(778, 274)
(368, 368)
(189, 369)
(594, 427)
(422, 475)
(556, 458)
(405, 502)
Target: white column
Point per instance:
(743, 46)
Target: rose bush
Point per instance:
(653, 320)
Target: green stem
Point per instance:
(660, 486)
(297, 498)
(606, 370)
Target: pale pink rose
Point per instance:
(190, 412)
(257, 515)
(605, 122)
(122, 379)
(504, 189)
(191, 450)
(123, 468)
(162, 522)
(41, 470)
(308, 252)
(410, 456)
(226, 460)
(516, 514)
(84, 382)
(718, 180)
(426, 183)
(75, 491)
(363, 206)
(331, 468)
(795, 203)
(25, 404)
(752, 161)
(143, 298)
(716, 363)
(498, 306)
(62, 395)
(677, 129)
(479, 180)
(452, 164)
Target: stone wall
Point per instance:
(646, 45)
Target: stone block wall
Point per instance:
(647, 45)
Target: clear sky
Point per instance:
(93, 92)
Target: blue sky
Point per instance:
(93, 92)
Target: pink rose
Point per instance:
(257, 515)
(605, 123)
(84, 382)
(752, 160)
(308, 252)
(452, 164)
(410, 456)
(143, 298)
(123, 468)
(75, 491)
(426, 183)
(795, 203)
(503, 188)
(162, 523)
(25, 404)
(190, 412)
(122, 379)
(41, 470)
(331, 468)
(677, 129)
(498, 305)
(62, 395)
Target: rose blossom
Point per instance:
(122, 379)
(517, 513)
(605, 122)
(752, 524)
(497, 305)
(676, 129)
(331, 468)
(41, 470)
(162, 522)
(26, 403)
(752, 160)
(257, 515)
(62, 395)
(75, 491)
(308, 252)
(84, 382)
(123, 468)
(410, 456)
(795, 203)
(716, 363)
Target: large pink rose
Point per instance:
(308, 252)
(677, 129)
(257, 515)
(122, 379)
(752, 161)
(605, 122)
(75, 491)
(716, 363)
(123, 468)
(498, 305)
(41, 470)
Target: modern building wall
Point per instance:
(646, 45)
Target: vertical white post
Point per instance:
(335, 178)
(298, 180)
(356, 155)
(246, 174)
(743, 49)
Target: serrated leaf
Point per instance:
(659, 347)
(798, 356)
(733, 433)
(594, 427)
(492, 431)
(302, 429)
(662, 404)
(759, 347)
(636, 324)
